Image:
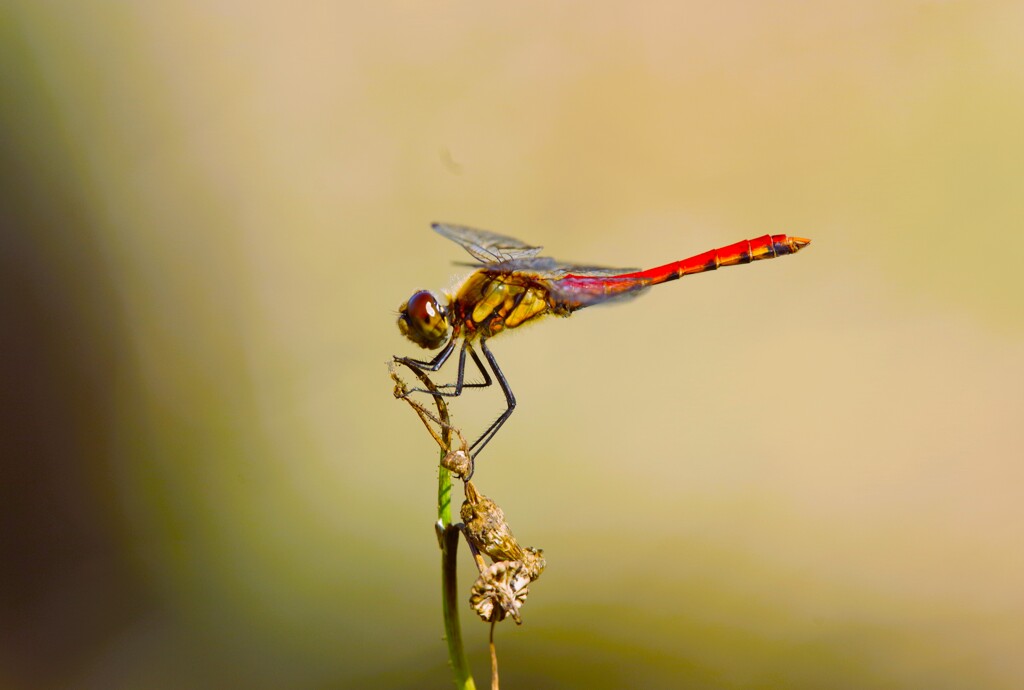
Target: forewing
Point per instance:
(487, 247)
(593, 271)
(552, 269)
(572, 285)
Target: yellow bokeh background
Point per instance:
(804, 473)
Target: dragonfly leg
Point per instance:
(436, 363)
(460, 379)
(510, 399)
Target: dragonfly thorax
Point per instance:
(423, 320)
(490, 302)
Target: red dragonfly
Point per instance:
(515, 286)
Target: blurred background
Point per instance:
(804, 473)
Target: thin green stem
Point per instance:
(449, 601)
(444, 495)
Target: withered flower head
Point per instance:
(458, 462)
(486, 529)
(501, 591)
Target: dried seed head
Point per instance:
(486, 529)
(501, 591)
(458, 462)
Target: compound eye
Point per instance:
(423, 320)
(423, 307)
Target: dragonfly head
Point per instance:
(423, 320)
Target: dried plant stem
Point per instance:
(494, 657)
(448, 536)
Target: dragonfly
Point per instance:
(514, 286)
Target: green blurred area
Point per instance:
(803, 473)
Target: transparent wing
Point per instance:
(552, 269)
(487, 247)
(572, 285)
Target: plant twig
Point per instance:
(448, 534)
(494, 657)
